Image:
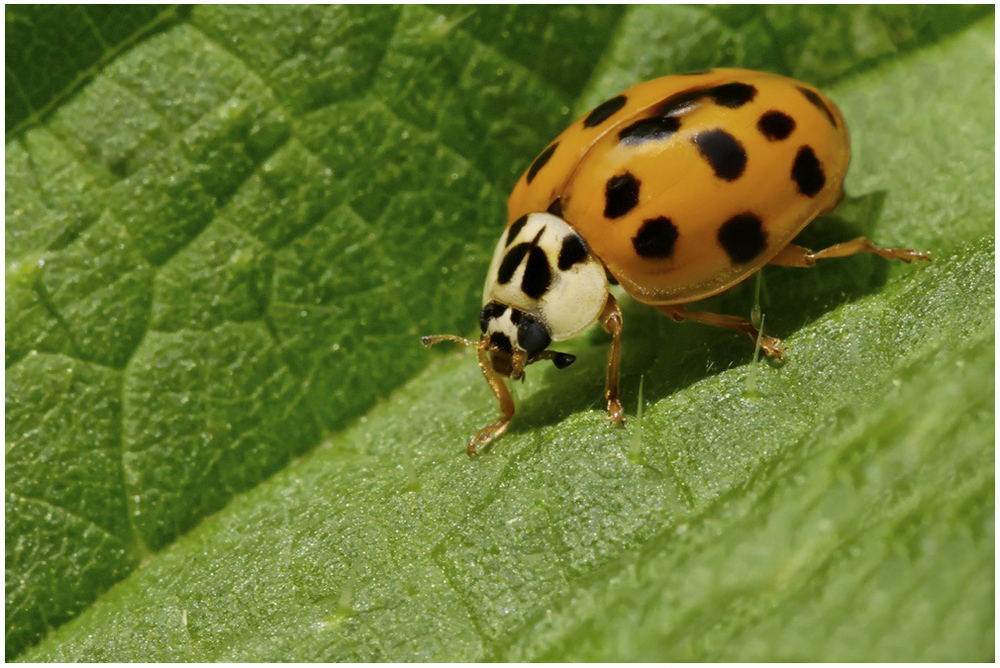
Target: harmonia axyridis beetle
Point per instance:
(678, 189)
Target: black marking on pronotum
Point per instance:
(573, 250)
(723, 152)
(649, 129)
(732, 95)
(604, 111)
(511, 261)
(743, 237)
(817, 101)
(775, 125)
(513, 258)
(655, 238)
(537, 275)
(532, 335)
(621, 194)
(540, 161)
(807, 172)
(491, 311)
(515, 229)
(500, 341)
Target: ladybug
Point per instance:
(677, 188)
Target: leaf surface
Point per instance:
(224, 441)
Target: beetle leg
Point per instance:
(769, 344)
(506, 402)
(611, 320)
(797, 256)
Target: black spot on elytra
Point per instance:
(732, 95)
(500, 341)
(515, 229)
(807, 172)
(817, 101)
(573, 250)
(556, 208)
(680, 103)
(604, 111)
(540, 161)
(490, 312)
(621, 194)
(649, 129)
(775, 125)
(743, 237)
(537, 275)
(655, 238)
(532, 335)
(723, 152)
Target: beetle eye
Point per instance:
(532, 335)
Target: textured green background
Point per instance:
(226, 228)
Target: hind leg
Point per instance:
(768, 344)
(797, 256)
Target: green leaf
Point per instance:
(225, 442)
(52, 51)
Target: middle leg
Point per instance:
(611, 320)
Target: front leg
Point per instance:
(483, 437)
(611, 320)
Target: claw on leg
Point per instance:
(480, 441)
